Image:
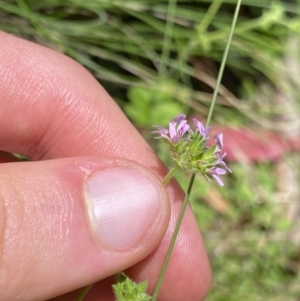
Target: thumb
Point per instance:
(66, 223)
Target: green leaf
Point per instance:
(127, 290)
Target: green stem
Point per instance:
(216, 90)
(170, 174)
(83, 292)
(172, 243)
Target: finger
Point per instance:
(101, 290)
(54, 109)
(66, 222)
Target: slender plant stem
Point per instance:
(223, 63)
(83, 292)
(173, 240)
(170, 174)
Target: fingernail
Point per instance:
(124, 204)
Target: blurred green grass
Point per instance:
(165, 56)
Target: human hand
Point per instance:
(54, 238)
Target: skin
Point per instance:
(55, 112)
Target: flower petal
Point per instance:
(179, 118)
(218, 180)
(220, 171)
(162, 132)
(172, 131)
(182, 128)
(204, 131)
(219, 140)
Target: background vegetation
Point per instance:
(158, 58)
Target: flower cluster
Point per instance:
(189, 149)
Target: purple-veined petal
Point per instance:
(218, 180)
(185, 129)
(222, 163)
(219, 140)
(182, 128)
(162, 132)
(179, 118)
(160, 129)
(166, 137)
(172, 131)
(220, 171)
(214, 172)
(204, 131)
(198, 125)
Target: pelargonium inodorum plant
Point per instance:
(190, 152)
